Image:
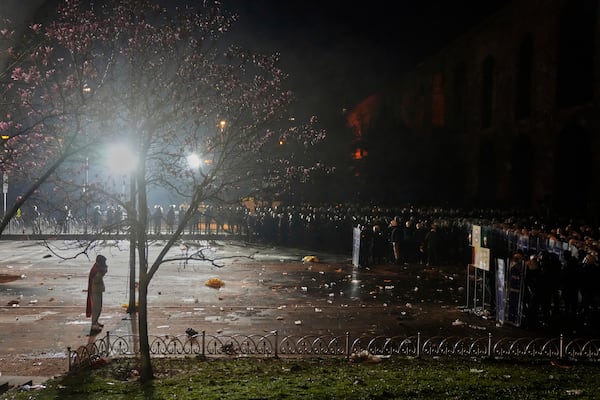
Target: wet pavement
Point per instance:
(42, 298)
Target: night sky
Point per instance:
(338, 52)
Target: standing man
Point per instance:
(395, 239)
(431, 245)
(95, 290)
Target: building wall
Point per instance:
(468, 106)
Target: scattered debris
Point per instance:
(309, 259)
(227, 348)
(574, 392)
(99, 362)
(215, 283)
(478, 327)
(28, 386)
(191, 332)
(365, 357)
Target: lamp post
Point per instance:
(122, 160)
(4, 191)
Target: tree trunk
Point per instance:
(146, 371)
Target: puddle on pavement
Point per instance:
(5, 278)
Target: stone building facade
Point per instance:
(506, 115)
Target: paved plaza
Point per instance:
(42, 298)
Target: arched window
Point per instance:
(524, 78)
(487, 91)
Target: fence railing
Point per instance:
(274, 345)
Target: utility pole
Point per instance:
(131, 308)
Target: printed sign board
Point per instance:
(355, 246)
(481, 258)
(500, 290)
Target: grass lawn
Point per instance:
(326, 378)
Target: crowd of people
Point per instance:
(560, 254)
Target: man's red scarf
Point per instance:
(95, 269)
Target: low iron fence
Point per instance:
(274, 345)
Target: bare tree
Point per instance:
(203, 118)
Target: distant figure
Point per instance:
(420, 233)
(364, 255)
(409, 248)
(171, 219)
(570, 280)
(181, 214)
(96, 219)
(118, 218)
(64, 220)
(35, 221)
(194, 222)
(110, 218)
(157, 219)
(395, 239)
(431, 246)
(378, 245)
(95, 291)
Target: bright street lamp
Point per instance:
(194, 161)
(121, 159)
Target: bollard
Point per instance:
(348, 345)
(560, 348)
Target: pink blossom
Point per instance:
(17, 74)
